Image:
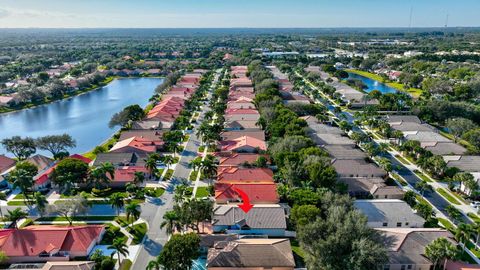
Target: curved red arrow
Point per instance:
(245, 206)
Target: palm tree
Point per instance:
(209, 167)
(41, 202)
(463, 234)
(476, 230)
(101, 176)
(138, 178)
(120, 248)
(453, 212)
(117, 201)
(153, 265)
(196, 163)
(170, 222)
(440, 250)
(175, 148)
(168, 160)
(151, 163)
(385, 164)
(15, 215)
(422, 186)
(132, 210)
(180, 192)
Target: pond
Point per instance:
(84, 117)
(373, 84)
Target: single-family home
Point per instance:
(147, 124)
(345, 152)
(262, 219)
(120, 159)
(258, 193)
(406, 246)
(6, 163)
(234, 134)
(241, 125)
(244, 144)
(42, 243)
(238, 159)
(155, 136)
(241, 114)
(371, 187)
(51, 265)
(389, 214)
(251, 254)
(246, 175)
(357, 168)
(469, 164)
(40, 161)
(241, 103)
(136, 145)
(126, 174)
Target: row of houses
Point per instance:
(242, 238)
(431, 140)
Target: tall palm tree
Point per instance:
(117, 202)
(170, 222)
(476, 230)
(209, 167)
(15, 215)
(151, 163)
(175, 148)
(423, 186)
(120, 248)
(102, 175)
(463, 234)
(196, 163)
(41, 202)
(132, 210)
(138, 178)
(179, 193)
(168, 160)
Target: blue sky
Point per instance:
(237, 13)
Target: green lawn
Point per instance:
(168, 175)
(193, 176)
(138, 231)
(202, 192)
(422, 176)
(460, 141)
(474, 217)
(415, 92)
(16, 203)
(126, 264)
(447, 196)
(404, 161)
(158, 191)
(400, 179)
(446, 224)
(92, 155)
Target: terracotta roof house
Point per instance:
(135, 145)
(126, 174)
(41, 243)
(234, 134)
(240, 103)
(406, 246)
(250, 90)
(371, 187)
(155, 136)
(240, 82)
(6, 163)
(357, 168)
(146, 125)
(389, 214)
(241, 114)
(258, 193)
(239, 94)
(262, 219)
(42, 179)
(249, 254)
(40, 161)
(238, 159)
(244, 175)
(244, 144)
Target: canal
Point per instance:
(84, 117)
(372, 84)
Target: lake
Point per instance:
(84, 117)
(373, 84)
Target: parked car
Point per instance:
(475, 204)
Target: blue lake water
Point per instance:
(373, 84)
(84, 117)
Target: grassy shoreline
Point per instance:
(415, 92)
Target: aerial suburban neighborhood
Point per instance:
(218, 146)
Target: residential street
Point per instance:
(153, 212)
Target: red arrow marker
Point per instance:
(245, 206)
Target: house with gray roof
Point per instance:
(426, 138)
(120, 159)
(406, 246)
(265, 219)
(371, 187)
(446, 148)
(389, 214)
(345, 152)
(357, 168)
(331, 139)
(399, 119)
(413, 126)
(251, 253)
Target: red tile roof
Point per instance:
(6, 163)
(241, 111)
(237, 159)
(43, 177)
(34, 240)
(235, 174)
(257, 193)
(137, 143)
(240, 142)
(127, 173)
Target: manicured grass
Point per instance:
(422, 176)
(138, 231)
(421, 199)
(19, 196)
(415, 92)
(447, 196)
(459, 197)
(297, 249)
(92, 155)
(193, 176)
(446, 224)
(16, 203)
(79, 218)
(185, 139)
(168, 175)
(404, 161)
(158, 191)
(474, 217)
(400, 179)
(202, 192)
(126, 265)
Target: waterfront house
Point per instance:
(42, 179)
(41, 243)
(406, 246)
(389, 214)
(136, 145)
(251, 254)
(154, 136)
(120, 159)
(258, 193)
(262, 219)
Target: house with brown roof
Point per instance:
(406, 246)
(238, 159)
(136, 145)
(245, 175)
(41, 243)
(241, 114)
(262, 219)
(155, 136)
(371, 187)
(244, 144)
(240, 103)
(241, 125)
(249, 254)
(6, 163)
(234, 134)
(258, 193)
